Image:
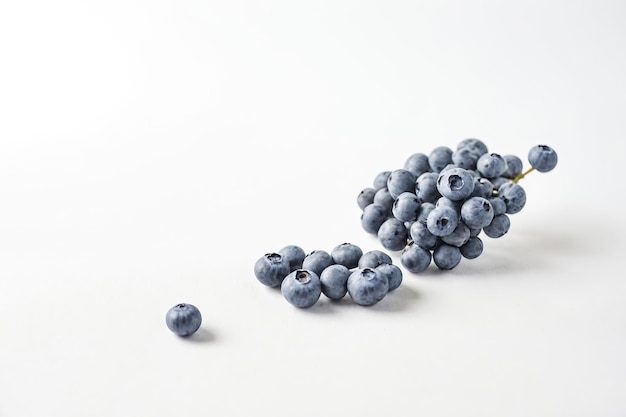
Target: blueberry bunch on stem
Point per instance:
(302, 278)
(434, 208)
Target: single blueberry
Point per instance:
(415, 259)
(406, 207)
(183, 319)
(442, 221)
(514, 197)
(473, 248)
(421, 236)
(476, 146)
(458, 237)
(380, 180)
(365, 197)
(514, 166)
(426, 187)
(294, 254)
(334, 280)
(367, 286)
(424, 211)
(498, 227)
(446, 256)
(477, 212)
(317, 261)
(373, 217)
(393, 234)
(347, 254)
(373, 258)
(417, 164)
(302, 288)
(400, 181)
(543, 158)
(491, 165)
(271, 268)
(393, 275)
(384, 198)
(439, 158)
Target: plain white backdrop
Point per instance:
(151, 151)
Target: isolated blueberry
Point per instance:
(302, 288)
(271, 269)
(347, 254)
(334, 280)
(373, 258)
(393, 275)
(393, 234)
(367, 286)
(183, 319)
(400, 181)
(446, 256)
(543, 158)
(294, 254)
(455, 183)
(442, 221)
(317, 261)
(415, 259)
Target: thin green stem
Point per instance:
(522, 175)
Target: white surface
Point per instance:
(152, 151)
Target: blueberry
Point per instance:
(334, 280)
(424, 211)
(473, 248)
(498, 205)
(365, 197)
(421, 236)
(476, 146)
(294, 254)
(445, 201)
(393, 275)
(302, 288)
(426, 187)
(183, 319)
(543, 158)
(400, 181)
(347, 254)
(415, 259)
(442, 221)
(514, 166)
(317, 261)
(393, 234)
(514, 197)
(372, 217)
(482, 188)
(271, 269)
(367, 286)
(417, 164)
(373, 258)
(380, 180)
(458, 237)
(439, 158)
(498, 227)
(446, 256)
(491, 165)
(477, 212)
(385, 199)
(406, 207)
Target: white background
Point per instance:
(151, 151)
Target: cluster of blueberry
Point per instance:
(434, 208)
(303, 278)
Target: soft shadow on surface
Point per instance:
(398, 300)
(201, 336)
